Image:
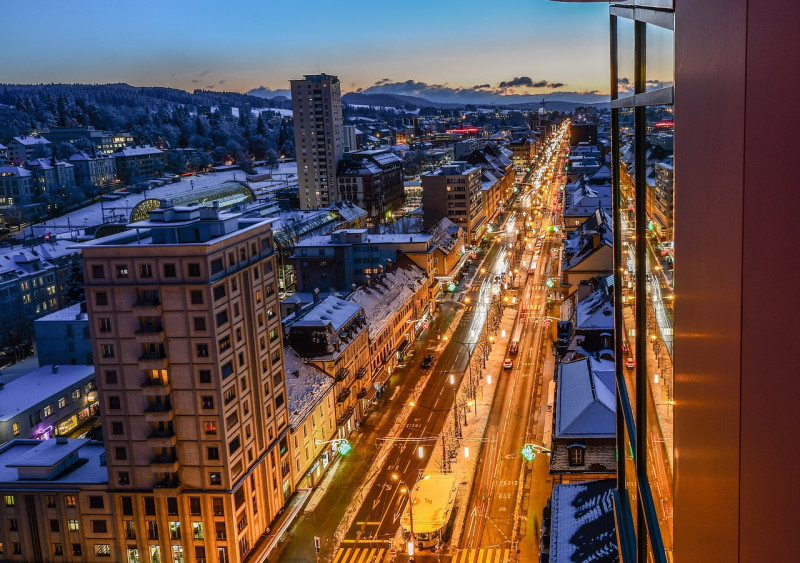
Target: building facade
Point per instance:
(372, 180)
(455, 192)
(23, 149)
(139, 163)
(99, 170)
(62, 337)
(319, 137)
(188, 350)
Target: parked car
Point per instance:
(625, 348)
(630, 364)
(508, 364)
(427, 361)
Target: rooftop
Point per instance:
(80, 461)
(331, 310)
(71, 313)
(582, 523)
(31, 389)
(585, 404)
(306, 386)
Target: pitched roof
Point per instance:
(585, 405)
(582, 522)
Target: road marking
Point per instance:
(367, 523)
(359, 554)
(484, 555)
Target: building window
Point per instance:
(120, 454)
(149, 506)
(101, 298)
(217, 506)
(113, 403)
(212, 453)
(146, 270)
(122, 271)
(194, 270)
(170, 271)
(216, 266)
(174, 530)
(576, 454)
(215, 477)
(96, 502)
(105, 325)
(222, 318)
(152, 530)
(116, 428)
(97, 272)
(48, 410)
(73, 525)
(15, 428)
(123, 478)
(62, 402)
(207, 402)
(211, 428)
(102, 550)
(202, 350)
(199, 323)
(76, 394)
(70, 500)
(130, 529)
(77, 551)
(194, 506)
(58, 550)
(50, 501)
(99, 526)
(204, 376)
(197, 531)
(111, 377)
(196, 297)
(219, 292)
(53, 525)
(127, 506)
(108, 350)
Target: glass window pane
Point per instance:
(659, 57)
(627, 223)
(660, 298)
(630, 477)
(625, 57)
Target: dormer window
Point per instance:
(576, 454)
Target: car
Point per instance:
(625, 348)
(508, 364)
(630, 364)
(427, 361)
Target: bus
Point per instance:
(430, 509)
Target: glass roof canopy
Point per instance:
(226, 194)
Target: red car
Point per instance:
(630, 364)
(508, 364)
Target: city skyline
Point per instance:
(519, 50)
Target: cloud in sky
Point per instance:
(517, 89)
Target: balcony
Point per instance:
(162, 438)
(341, 374)
(153, 360)
(164, 463)
(159, 412)
(147, 307)
(343, 396)
(361, 373)
(341, 420)
(149, 335)
(362, 394)
(156, 387)
(167, 487)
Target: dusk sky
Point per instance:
(548, 47)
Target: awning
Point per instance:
(403, 345)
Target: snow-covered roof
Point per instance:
(66, 314)
(582, 522)
(332, 310)
(581, 242)
(20, 262)
(595, 312)
(14, 171)
(89, 468)
(32, 141)
(387, 294)
(586, 405)
(29, 390)
(306, 386)
(137, 151)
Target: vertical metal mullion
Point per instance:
(640, 188)
(614, 67)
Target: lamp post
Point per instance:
(406, 490)
(469, 365)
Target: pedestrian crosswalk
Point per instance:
(485, 555)
(359, 555)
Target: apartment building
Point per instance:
(454, 191)
(188, 353)
(372, 180)
(319, 137)
(25, 148)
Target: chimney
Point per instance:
(61, 439)
(316, 295)
(55, 369)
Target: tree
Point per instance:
(73, 286)
(176, 162)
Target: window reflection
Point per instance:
(659, 57)
(625, 54)
(627, 223)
